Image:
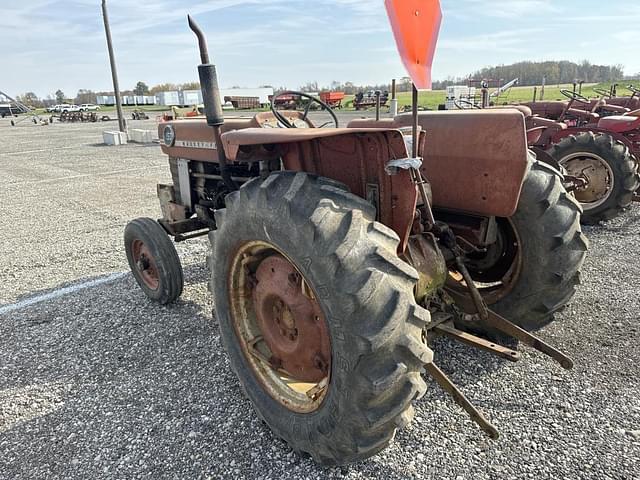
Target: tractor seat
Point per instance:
(619, 123)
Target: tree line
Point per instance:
(533, 73)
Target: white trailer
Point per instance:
(169, 99)
(191, 97)
(107, 100)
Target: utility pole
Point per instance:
(114, 73)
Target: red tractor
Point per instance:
(338, 253)
(614, 105)
(594, 141)
(597, 160)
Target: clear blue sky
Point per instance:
(51, 44)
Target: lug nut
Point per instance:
(294, 278)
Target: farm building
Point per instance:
(187, 98)
(110, 100)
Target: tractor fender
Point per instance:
(476, 161)
(356, 158)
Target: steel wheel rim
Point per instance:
(492, 292)
(145, 264)
(599, 175)
(254, 318)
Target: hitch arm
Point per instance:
(449, 387)
(500, 323)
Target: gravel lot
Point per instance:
(100, 383)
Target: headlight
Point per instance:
(169, 135)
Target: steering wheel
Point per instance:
(460, 104)
(575, 96)
(284, 121)
(602, 92)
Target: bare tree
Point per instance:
(163, 87)
(85, 96)
(30, 99)
(310, 87)
(190, 86)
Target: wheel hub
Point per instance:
(291, 321)
(145, 263)
(598, 176)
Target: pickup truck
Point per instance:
(63, 107)
(89, 107)
(68, 108)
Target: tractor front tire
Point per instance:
(545, 268)
(364, 291)
(153, 260)
(610, 167)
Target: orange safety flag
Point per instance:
(416, 25)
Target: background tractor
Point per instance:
(597, 161)
(337, 253)
(600, 144)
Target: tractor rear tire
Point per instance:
(552, 249)
(616, 160)
(365, 292)
(153, 260)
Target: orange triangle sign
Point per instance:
(416, 25)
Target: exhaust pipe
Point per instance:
(212, 102)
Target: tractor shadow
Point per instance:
(128, 388)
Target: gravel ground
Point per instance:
(100, 383)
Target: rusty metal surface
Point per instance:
(145, 264)
(372, 123)
(596, 176)
(448, 386)
(449, 330)
(549, 109)
(493, 320)
(475, 161)
(552, 127)
(233, 140)
(535, 134)
(426, 257)
(171, 211)
(489, 146)
(194, 139)
(357, 158)
(292, 324)
(525, 110)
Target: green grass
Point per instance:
(427, 99)
(431, 99)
